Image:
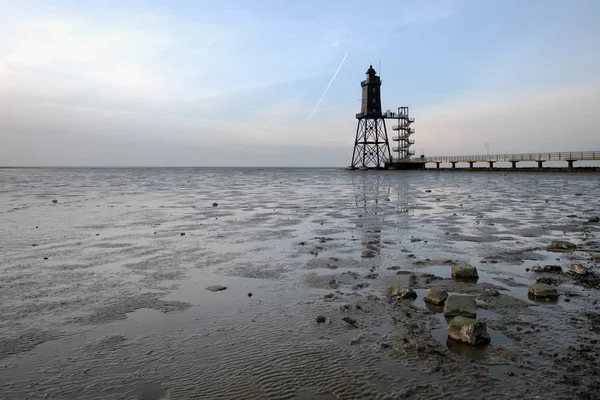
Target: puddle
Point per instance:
(420, 302)
(440, 335)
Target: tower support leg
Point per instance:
(471, 164)
(540, 164)
(371, 146)
(437, 165)
(491, 163)
(514, 164)
(453, 165)
(570, 163)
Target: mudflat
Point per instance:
(104, 276)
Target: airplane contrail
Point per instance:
(327, 88)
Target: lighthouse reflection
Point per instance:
(383, 203)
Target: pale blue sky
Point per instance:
(234, 82)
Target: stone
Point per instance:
(464, 306)
(579, 269)
(215, 204)
(216, 288)
(435, 296)
(562, 245)
(351, 322)
(537, 268)
(468, 330)
(249, 294)
(555, 269)
(597, 258)
(464, 271)
(182, 233)
(492, 292)
(321, 319)
(408, 293)
(546, 279)
(428, 191)
(595, 218)
(542, 290)
(394, 291)
(371, 276)
(55, 201)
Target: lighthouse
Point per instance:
(371, 145)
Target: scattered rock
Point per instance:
(415, 240)
(464, 271)
(428, 191)
(182, 233)
(334, 284)
(579, 269)
(371, 276)
(542, 290)
(351, 321)
(464, 306)
(554, 269)
(561, 245)
(572, 216)
(55, 201)
(408, 293)
(395, 293)
(361, 285)
(597, 258)
(215, 204)
(321, 319)
(45, 258)
(537, 268)
(468, 330)
(492, 292)
(329, 297)
(351, 274)
(546, 279)
(216, 288)
(394, 268)
(435, 296)
(595, 218)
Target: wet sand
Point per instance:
(103, 293)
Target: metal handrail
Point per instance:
(557, 156)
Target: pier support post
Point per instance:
(491, 163)
(453, 165)
(570, 163)
(470, 164)
(540, 164)
(437, 165)
(514, 164)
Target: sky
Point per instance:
(235, 82)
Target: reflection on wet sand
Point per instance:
(103, 297)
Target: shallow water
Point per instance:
(119, 308)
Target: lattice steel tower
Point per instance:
(371, 147)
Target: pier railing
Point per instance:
(560, 156)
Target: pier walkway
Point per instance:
(570, 157)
